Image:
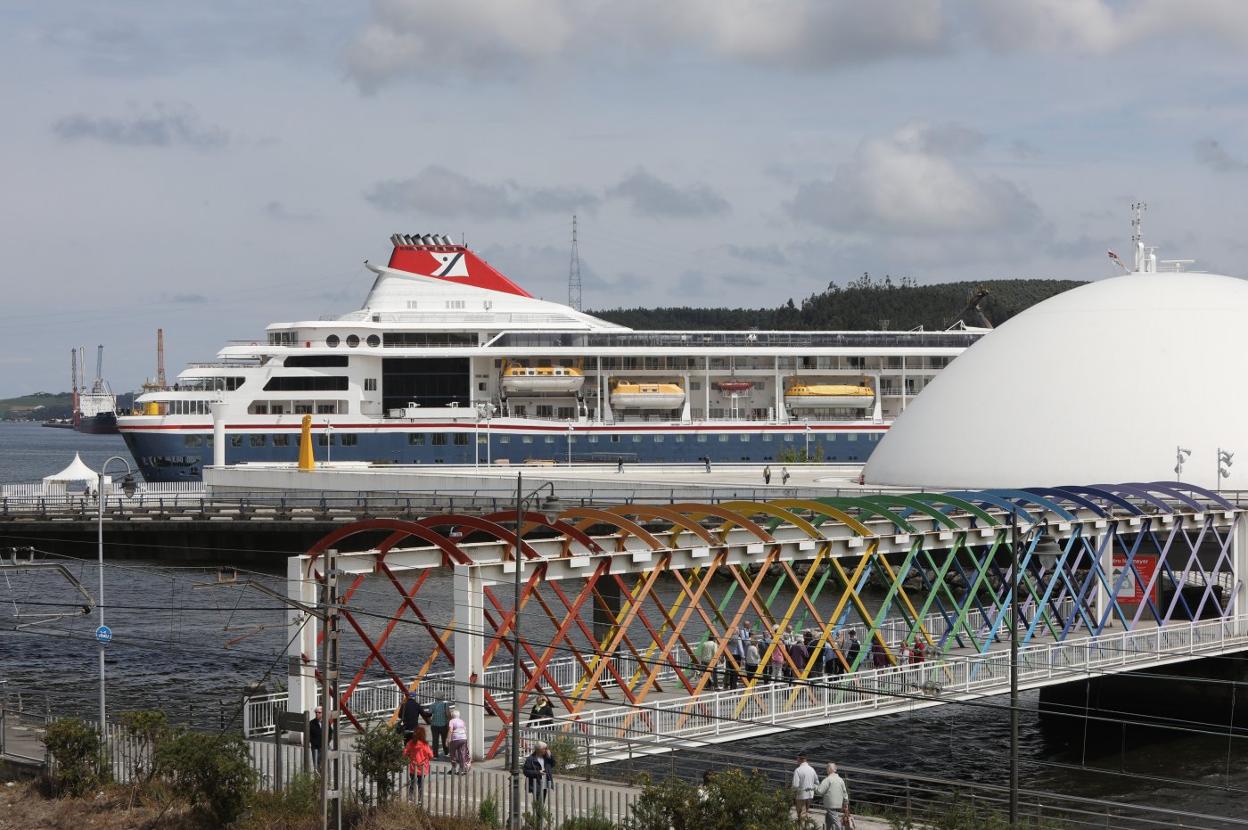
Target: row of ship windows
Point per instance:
(345, 439)
(419, 439)
(461, 439)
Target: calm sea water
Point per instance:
(28, 452)
(188, 647)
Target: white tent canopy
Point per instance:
(76, 473)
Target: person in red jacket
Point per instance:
(418, 754)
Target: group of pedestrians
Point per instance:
(450, 739)
(771, 656)
(777, 656)
(831, 793)
(784, 475)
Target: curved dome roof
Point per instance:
(1100, 383)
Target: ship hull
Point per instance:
(105, 423)
(180, 454)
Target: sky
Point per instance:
(211, 168)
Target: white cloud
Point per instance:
(1211, 153)
(161, 126)
(429, 38)
(650, 196)
(489, 37)
(474, 37)
(902, 184)
(438, 192)
(1099, 26)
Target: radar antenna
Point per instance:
(574, 272)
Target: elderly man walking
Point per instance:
(835, 798)
(805, 780)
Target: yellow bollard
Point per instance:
(306, 459)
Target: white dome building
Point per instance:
(1100, 384)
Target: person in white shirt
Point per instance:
(835, 797)
(805, 779)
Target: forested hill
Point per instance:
(865, 303)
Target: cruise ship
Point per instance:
(450, 362)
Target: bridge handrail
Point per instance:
(379, 697)
(712, 714)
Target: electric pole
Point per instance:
(331, 784)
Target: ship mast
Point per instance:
(160, 357)
(574, 272)
(73, 380)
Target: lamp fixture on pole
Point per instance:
(1181, 454)
(1224, 465)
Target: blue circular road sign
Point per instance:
(104, 634)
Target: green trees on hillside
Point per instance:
(863, 303)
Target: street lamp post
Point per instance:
(1181, 454)
(102, 634)
(549, 503)
(1224, 465)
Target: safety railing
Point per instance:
(381, 697)
(712, 716)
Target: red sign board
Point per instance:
(1131, 590)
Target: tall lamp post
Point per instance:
(1181, 454)
(1224, 465)
(550, 503)
(103, 634)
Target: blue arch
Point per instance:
(1099, 491)
(1177, 486)
(1069, 496)
(991, 497)
(1140, 493)
(1039, 501)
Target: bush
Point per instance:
(731, 801)
(148, 728)
(594, 821)
(380, 756)
(213, 772)
(488, 813)
(297, 805)
(78, 756)
(566, 753)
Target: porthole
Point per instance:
(332, 341)
(374, 341)
(353, 340)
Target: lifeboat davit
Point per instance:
(630, 395)
(733, 387)
(542, 380)
(841, 396)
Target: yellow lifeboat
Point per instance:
(830, 395)
(542, 380)
(627, 394)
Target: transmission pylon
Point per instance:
(574, 272)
